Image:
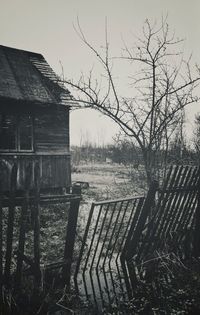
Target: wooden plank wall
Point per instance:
(55, 170)
(50, 148)
(51, 130)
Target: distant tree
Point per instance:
(162, 83)
(197, 135)
(124, 151)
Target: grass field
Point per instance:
(106, 181)
(109, 181)
(113, 181)
(181, 294)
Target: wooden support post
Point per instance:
(10, 223)
(70, 234)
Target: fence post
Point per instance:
(196, 248)
(10, 223)
(71, 233)
(132, 240)
(1, 239)
(22, 231)
(36, 206)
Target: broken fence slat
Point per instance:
(146, 209)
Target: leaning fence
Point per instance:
(98, 275)
(122, 235)
(169, 225)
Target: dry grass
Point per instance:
(109, 181)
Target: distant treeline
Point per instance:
(127, 153)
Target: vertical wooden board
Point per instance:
(52, 130)
(57, 175)
(45, 172)
(20, 173)
(192, 201)
(61, 168)
(47, 169)
(52, 171)
(5, 171)
(66, 171)
(23, 162)
(165, 200)
(173, 207)
(55, 171)
(180, 206)
(59, 172)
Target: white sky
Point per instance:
(46, 27)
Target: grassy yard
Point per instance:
(109, 181)
(178, 296)
(106, 181)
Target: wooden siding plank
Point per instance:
(51, 130)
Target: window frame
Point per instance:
(17, 134)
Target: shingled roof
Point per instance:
(26, 76)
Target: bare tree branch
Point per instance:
(161, 89)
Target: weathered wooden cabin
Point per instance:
(34, 120)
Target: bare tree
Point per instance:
(196, 138)
(162, 83)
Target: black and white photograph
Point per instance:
(99, 157)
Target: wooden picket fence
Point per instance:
(124, 238)
(169, 223)
(12, 205)
(121, 236)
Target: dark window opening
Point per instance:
(16, 132)
(8, 127)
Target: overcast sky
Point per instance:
(46, 27)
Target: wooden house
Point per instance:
(34, 120)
